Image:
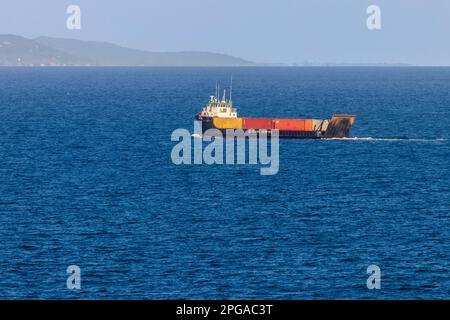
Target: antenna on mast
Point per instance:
(217, 92)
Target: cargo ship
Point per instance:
(222, 115)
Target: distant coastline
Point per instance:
(59, 52)
(17, 51)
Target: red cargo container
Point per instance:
(308, 125)
(289, 124)
(256, 123)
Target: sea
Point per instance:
(87, 180)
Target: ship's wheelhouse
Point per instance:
(220, 109)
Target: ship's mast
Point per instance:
(217, 92)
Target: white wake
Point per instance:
(387, 139)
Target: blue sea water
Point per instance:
(86, 179)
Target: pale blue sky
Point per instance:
(286, 31)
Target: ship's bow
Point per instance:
(339, 126)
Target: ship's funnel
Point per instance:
(339, 126)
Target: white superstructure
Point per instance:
(221, 109)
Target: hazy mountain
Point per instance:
(19, 51)
(109, 54)
(46, 51)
